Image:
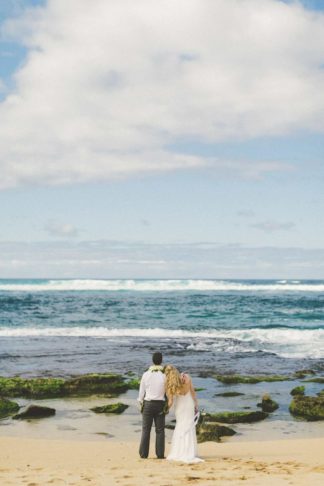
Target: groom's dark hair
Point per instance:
(157, 358)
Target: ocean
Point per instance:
(66, 327)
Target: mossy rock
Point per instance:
(319, 379)
(308, 408)
(95, 384)
(32, 387)
(303, 373)
(235, 417)
(229, 394)
(35, 412)
(321, 393)
(133, 384)
(209, 431)
(298, 390)
(83, 385)
(117, 408)
(130, 373)
(169, 426)
(267, 404)
(7, 407)
(250, 379)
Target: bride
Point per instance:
(181, 393)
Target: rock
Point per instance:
(31, 388)
(170, 426)
(319, 379)
(235, 417)
(298, 390)
(267, 404)
(229, 394)
(250, 379)
(107, 384)
(209, 431)
(94, 383)
(321, 393)
(7, 407)
(304, 373)
(133, 384)
(35, 412)
(308, 408)
(111, 408)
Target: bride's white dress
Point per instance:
(184, 440)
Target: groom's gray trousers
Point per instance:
(153, 410)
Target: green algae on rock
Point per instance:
(267, 404)
(83, 385)
(35, 412)
(235, 417)
(308, 408)
(229, 394)
(250, 379)
(319, 379)
(111, 408)
(32, 387)
(7, 407)
(133, 384)
(298, 390)
(95, 384)
(210, 431)
(303, 373)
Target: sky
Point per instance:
(162, 139)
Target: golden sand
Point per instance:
(39, 462)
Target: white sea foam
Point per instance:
(284, 342)
(160, 285)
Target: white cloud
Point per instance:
(113, 259)
(246, 213)
(108, 85)
(62, 230)
(270, 226)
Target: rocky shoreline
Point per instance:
(110, 386)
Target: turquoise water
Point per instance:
(59, 326)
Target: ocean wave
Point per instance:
(160, 285)
(283, 342)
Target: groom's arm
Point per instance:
(141, 393)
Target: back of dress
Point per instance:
(184, 441)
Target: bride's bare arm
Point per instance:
(170, 400)
(193, 393)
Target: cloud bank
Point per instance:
(107, 87)
(118, 259)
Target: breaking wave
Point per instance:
(161, 285)
(283, 342)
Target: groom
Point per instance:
(152, 400)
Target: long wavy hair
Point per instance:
(173, 384)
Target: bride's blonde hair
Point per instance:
(173, 380)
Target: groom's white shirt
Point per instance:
(152, 386)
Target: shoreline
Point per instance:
(39, 461)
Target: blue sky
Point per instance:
(137, 144)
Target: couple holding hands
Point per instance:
(159, 383)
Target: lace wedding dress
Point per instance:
(184, 440)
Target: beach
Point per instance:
(239, 340)
(36, 462)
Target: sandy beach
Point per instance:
(36, 462)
